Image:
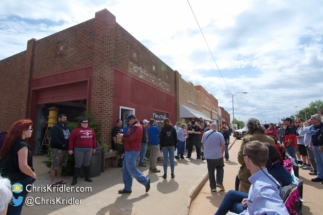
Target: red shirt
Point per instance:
(290, 134)
(82, 138)
(132, 139)
(272, 132)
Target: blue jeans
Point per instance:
(18, 199)
(232, 202)
(168, 150)
(129, 170)
(180, 148)
(319, 161)
(143, 153)
(226, 152)
(291, 150)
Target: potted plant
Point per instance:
(105, 147)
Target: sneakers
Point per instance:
(142, 164)
(164, 176)
(221, 187)
(305, 167)
(182, 157)
(173, 176)
(176, 157)
(213, 190)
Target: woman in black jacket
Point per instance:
(168, 144)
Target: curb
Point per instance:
(201, 184)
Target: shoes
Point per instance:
(177, 157)
(142, 164)
(182, 157)
(299, 162)
(173, 176)
(164, 176)
(203, 158)
(147, 185)
(198, 158)
(188, 157)
(213, 190)
(317, 179)
(154, 170)
(221, 187)
(312, 173)
(124, 191)
(306, 167)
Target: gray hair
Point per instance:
(316, 116)
(213, 126)
(5, 193)
(253, 125)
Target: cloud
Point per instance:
(271, 49)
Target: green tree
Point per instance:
(240, 124)
(312, 109)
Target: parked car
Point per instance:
(240, 133)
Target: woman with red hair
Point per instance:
(17, 162)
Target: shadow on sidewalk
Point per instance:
(167, 186)
(122, 205)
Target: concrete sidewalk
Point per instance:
(170, 196)
(208, 202)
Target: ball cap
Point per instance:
(131, 116)
(145, 121)
(287, 119)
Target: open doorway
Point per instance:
(124, 112)
(71, 109)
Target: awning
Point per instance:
(186, 112)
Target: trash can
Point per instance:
(95, 165)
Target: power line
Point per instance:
(208, 47)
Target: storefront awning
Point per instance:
(186, 112)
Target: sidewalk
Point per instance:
(207, 202)
(170, 196)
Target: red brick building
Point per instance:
(95, 65)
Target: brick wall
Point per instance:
(187, 94)
(13, 90)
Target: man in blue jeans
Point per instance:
(290, 141)
(143, 143)
(317, 146)
(132, 146)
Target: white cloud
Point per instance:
(280, 40)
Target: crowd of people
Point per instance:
(262, 156)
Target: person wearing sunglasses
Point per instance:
(82, 144)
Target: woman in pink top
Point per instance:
(271, 130)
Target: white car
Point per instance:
(240, 133)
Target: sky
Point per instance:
(273, 50)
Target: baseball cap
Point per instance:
(178, 122)
(287, 119)
(131, 116)
(193, 122)
(145, 121)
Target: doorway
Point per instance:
(124, 112)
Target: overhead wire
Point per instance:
(209, 47)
